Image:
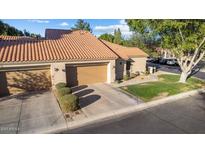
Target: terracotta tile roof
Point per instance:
(69, 45)
(125, 52)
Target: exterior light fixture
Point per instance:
(56, 69)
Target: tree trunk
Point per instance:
(183, 77)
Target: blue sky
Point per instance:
(99, 26)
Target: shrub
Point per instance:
(69, 103)
(118, 81)
(63, 91)
(137, 73)
(126, 77)
(147, 73)
(132, 75)
(60, 85)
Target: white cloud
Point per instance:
(40, 21)
(122, 22)
(124, 28)
(64, 24)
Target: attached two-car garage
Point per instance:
(86, 74)
(36, 78)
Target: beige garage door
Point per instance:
(13, 82)
(86, 74)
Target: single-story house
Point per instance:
(74, 57)
(131, 59)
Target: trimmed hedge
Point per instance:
(60, 85)
(118, 81)
(63, 91)
(132, 75)
(69, 103)
(126, 77)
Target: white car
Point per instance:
(172, 62)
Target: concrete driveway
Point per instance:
(31, 113)
(40, 113)
(101, 98)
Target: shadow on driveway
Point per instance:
(78, 88)
(85, 96)
(84, 92)
(85, 101)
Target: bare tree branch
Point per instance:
(200, 57)
(180, 32)
(195, 54)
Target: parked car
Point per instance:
(172, 62)
(163, 61)
(153, 60)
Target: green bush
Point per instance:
(60, 85)
(69, 103)
(118, 81)
(63, 91)
(147, 73)
(132, 75)
(126, 77)
(137, 73)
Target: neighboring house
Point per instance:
(131, 59)
(74, 57)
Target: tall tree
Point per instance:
(2, 28)
(82, 25)
(107, 37)
(117, 36)
(6, 29)
(185, 38)
(26, 33)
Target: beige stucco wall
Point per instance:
(111, 71)
(139, 64)
(58, 73)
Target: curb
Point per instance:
(128, 94)
(125, 111)
(139, 101)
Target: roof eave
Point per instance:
(54, 61)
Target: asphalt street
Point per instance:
(179, 117)
(175, 69)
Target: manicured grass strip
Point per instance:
(166, 86)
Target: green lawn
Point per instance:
(166, 86)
